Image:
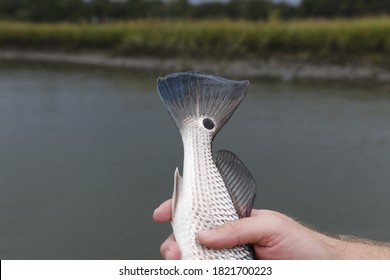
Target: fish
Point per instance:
(214, 189)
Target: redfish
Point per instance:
(213, 189)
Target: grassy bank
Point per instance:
(224, 39)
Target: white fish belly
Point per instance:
(203, 201)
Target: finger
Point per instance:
(163, 213)
(169, 249)
(243, 231)
(228, 235)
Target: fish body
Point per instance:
(213, 190)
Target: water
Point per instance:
(86, 154)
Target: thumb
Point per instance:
(239, 232)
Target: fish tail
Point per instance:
(197, 95)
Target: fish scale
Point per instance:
(203, 198)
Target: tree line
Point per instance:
(104, 10)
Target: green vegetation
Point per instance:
(238, 28)
(212, 38)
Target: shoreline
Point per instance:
(256, 68)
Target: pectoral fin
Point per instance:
(176, 190)
(238, 181)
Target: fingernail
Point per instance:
(154, 212)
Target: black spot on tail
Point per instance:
(208, 123)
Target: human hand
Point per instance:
(273, 235)
(169, 249)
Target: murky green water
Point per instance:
(87, 153)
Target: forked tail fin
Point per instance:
(198, 95)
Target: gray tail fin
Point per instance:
(198, 95)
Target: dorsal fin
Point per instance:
(176, 189)
(238, 180)
(194, 95)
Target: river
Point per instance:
(87, 153)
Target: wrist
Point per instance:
(352, 248)
(331, 247)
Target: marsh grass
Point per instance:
(212, 38)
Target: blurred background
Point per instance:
(87, 150)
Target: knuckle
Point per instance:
(231, 226)
(233, 232)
